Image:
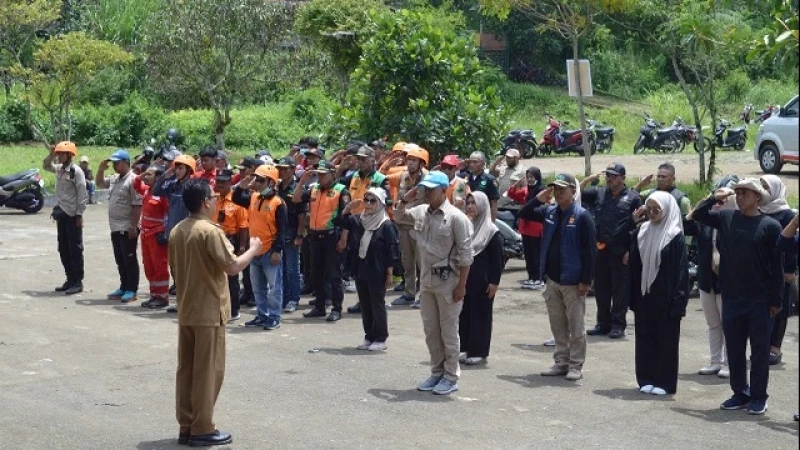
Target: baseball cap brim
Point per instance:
(430, 185)
(612, 172)
(560, 184)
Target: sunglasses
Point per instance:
(370, 201)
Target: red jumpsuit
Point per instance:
(154, 255)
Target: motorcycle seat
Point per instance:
(17, 176)
(568, 133)
(604, 130)
(667, 130)
(737, 130)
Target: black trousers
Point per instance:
(782, 319)
(475, 325)
(532, 247)
(233, 281)
(326, 269)
(306, 263)
(372, 295)
(657, 340)
(70, 248)
(743, 320)
(246, 294)
(126, 259)
(610, 276)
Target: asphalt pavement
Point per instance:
(84, 372)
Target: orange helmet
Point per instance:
(399, 146)
(186, 160)
(66, 147)
(267, 171)
(417, 152)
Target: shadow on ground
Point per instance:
(408, 395)
(537, 381)
(632, 394)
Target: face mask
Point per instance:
(269, 191)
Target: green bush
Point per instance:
(734, 87)
(12, 122)
(312, 108)
(626, 74)
(131, 123)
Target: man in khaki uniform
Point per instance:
(200, 258)
(506, 178)
(444, 237)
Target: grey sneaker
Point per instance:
(290, 307)
(416, 304)
(574, 375)
(555, 371)
(429, 384)
(402, 300)
(445, 387)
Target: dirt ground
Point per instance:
(739, 163)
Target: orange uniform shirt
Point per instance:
(230, 216)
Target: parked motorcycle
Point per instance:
(766, 113)
(688, 134)
(558, 141)
(603, 136)
(744, 116)
(23, 190)
(736, 138)
(654, 136)
(523, 140)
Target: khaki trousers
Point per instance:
(440, 322)
(566, 309)
(201, 369)
(409, 256)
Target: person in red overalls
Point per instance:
(154, 240)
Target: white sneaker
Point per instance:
(364, 345)
(350, 286)
(647, 389)
(528, 284)
(462, 358)
(378, 347)
(724, 372)
(712, 369)
(658, 391)
(550, 342)
(538, 285)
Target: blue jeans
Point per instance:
(744, 320)
(267, 280)
(291, 272)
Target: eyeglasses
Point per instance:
(370, 201)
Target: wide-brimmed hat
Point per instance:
(754, 185)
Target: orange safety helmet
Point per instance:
(66, 147)
(399, 146)
(417, 152)
(267, 171)
(186, 160)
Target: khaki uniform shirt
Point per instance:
(122, 198)
(198, 256)
(504, 181)
(71, 194)
(444, 239)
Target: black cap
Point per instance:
(366, 152)
(316, 152)
(615, 169)
(224, 174)
(563, 180)
(286, 161)
(325, 166)
(378, 144)
(263, 152)
(248, 162)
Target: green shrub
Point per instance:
(94, 126)
(627, 74)
(12, 122)
(131, 123)
(312, 108)
(734, 87)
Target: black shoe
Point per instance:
(775, 358)
(74, 289)
(64, 286)
(207, 440)
(315, 313)
(172, 309)
(355, 309)
(172, 290)
(598, 331)
(251, 302)
(334, 316)
(148, 302)
(616, 333)
(183, 439)
(158, 303)
(307, 290)
(400, 287)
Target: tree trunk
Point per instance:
(587, 149)
(219, 129)
(695, 113)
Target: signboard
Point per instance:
(585, 76)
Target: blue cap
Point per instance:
(120, 155)
(435, 179)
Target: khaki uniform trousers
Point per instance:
(409, 256)
(566, 309)
(440, 322)
(201, 369)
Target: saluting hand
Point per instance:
(545, 196)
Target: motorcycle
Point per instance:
(736, 137)
(744, 116)
(603, 136)
(512, 240)
(688, 135)
(23, 190)
(654, 136)
(560, 141)
(765, 114)
(523, 140)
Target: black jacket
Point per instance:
(383, 251)
(670, 289)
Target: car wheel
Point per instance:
(770, 159)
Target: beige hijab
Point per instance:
(653, 237)
(777, 195)
(482, 225)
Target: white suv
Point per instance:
(777, 139)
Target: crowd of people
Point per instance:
(371, 220)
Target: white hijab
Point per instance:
(372, 222)
(777, 195)
(653, 237)
(482, 225)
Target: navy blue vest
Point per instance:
(570, 242)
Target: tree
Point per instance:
(421, 82)
(20, 20)
(340, 27)
(216, 48)
(60, 68)
(781, 45)
(570, 19)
